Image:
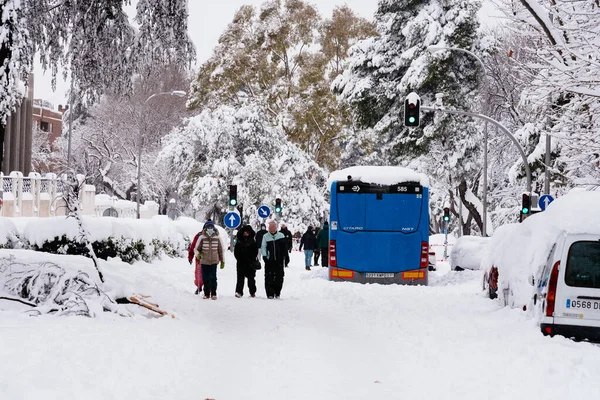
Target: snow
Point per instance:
(468, 252)
(321, 340)
(385, 175)
(520, 250)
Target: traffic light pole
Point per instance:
(496, 123)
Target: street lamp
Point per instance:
(433, 49)
(178, 93)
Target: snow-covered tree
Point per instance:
(106, 137)
(382, 70)
(238, 145)
(93, 40)
(285, 56)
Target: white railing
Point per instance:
(37, 196)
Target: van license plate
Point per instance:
(584, 304)
(379, 275)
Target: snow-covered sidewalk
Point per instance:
(321, 340)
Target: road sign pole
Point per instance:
(446, 241)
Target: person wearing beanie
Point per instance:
(209, 252)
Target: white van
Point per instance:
(567, 295)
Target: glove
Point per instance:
(265, 259)
(190, 260)
(222, 264)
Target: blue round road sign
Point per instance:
(544, 201)
(264, 212)
(232, 220)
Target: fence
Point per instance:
(37, 196)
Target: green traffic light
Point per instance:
(277, 210)
(233, 202)
(525, 211)
(411, 120)
(446, 219)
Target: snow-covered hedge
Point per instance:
(128, 239)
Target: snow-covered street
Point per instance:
(321, 340)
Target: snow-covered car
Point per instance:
(468, 252)
(550, 265)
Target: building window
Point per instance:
(44, 126)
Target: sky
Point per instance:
(207, 22)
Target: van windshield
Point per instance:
(583, 265)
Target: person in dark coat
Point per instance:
(245, 252)
(323, 239)
(317, 250)
(288, 242)
(259, 237)
(309, 243)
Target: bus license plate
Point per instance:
(379, 275)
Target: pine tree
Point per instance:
(383, 70)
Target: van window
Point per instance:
(583, 265)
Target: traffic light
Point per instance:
(412, 112)
(233, 195)
(526, 204)
(278, 206)
(446, 214)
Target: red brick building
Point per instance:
(47, 119)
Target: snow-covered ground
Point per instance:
(321, 340)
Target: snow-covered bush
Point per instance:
(129, 240)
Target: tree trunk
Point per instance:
(473, 212)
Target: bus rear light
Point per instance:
(341, 273)
(332, 254)
(551, 298)
(413, 274)
(424, 255)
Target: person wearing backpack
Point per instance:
(209, 252)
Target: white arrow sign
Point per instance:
(232, 219)
(356, 188)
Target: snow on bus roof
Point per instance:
(385, 175)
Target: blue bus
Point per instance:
(379, 226)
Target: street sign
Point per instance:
(264, 212)
(232, 220)
(545, 201)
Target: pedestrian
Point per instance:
(197, 267)
(309, 242)
(317, 250)
(245, 253)
(273, 250)
(259, 236)
(209, 252)
(289, 242)
(323, 241)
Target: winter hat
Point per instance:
(208, 224)
(325, 223)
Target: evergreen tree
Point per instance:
(382, 70)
